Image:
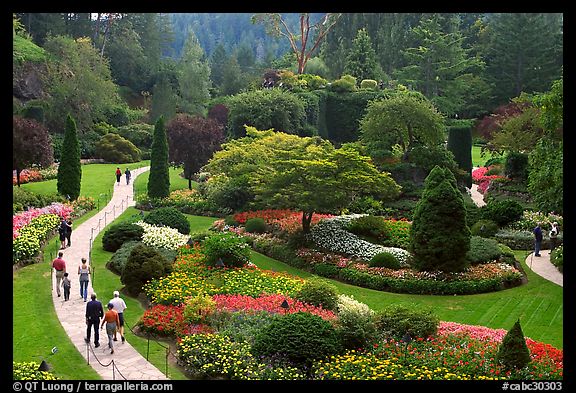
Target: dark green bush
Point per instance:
(113, 148)
(117, 234)
(366, 205)
(232, 250)
(301, 338)
(502, 212)
(513, 352)
(118, 261)
(397, 320)
(483, 250)
(144, 263)
(169, 217)
(255, 225)
(385, 259)
(325, 270)
(516, 166)
(367, 226)
(320, 293)
(484, 228)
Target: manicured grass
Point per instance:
(177, 182)
(538, 304)
(477, 158)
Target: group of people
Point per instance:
(538, 236)
(113, 318)
(65, 233)
(119, 175)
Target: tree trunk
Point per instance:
(306, 220)
(190, 183)
(18, 176)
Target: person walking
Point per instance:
(66, 284)
(554, 236)
(62, 230)
(112, 323)
(94, 311)
(119, 306)
(128, 175)
(59, 265)
(84, 277)
(118, 174)
(537, 231)
(69, 232)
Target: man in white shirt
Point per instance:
(119, 306)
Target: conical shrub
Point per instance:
(513, 352)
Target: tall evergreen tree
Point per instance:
(194, 77)
(159, 180)
(163, 101)
(524, 54)
(361, 60)
(69, 176)
(217, 62)
(440, 238)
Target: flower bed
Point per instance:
(479, 177)
(162, 237)
(27, 176)
(285, 220)
(22, 219)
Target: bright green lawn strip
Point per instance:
(497, 310)
(477, 158)
(36, 328)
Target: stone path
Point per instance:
(127, 362)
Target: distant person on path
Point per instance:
(128, 175)
(84, 277)
(59, 265)
(118, 174)
(69, 232)
(537, 239)
(119, 306)
(66, 284)
(554, 236)
(112, 322)
(62, 231)
(94, 312)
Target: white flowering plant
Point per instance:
(162, 237)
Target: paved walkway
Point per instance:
(128, 363)
(540, 265)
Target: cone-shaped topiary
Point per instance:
(69, 175)
(439, 237)
(159, 180)
(513, 352)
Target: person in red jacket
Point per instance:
(118, 174)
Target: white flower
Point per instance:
(162, 237)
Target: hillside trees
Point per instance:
(69, 176)
(31, 145)
(193, 77)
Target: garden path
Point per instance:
(128, 363)
(544, 268)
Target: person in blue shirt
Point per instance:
(537, 239)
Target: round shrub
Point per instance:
(516, 166)
(397, 320)
(170, 217)
(502, 212)
(113, 148)
(230, 249)
(371, 226)
(483, 250)
(255, 225)
(385, 259)
(117, 262)
(319, 293)
(144, 263)
(300, 338)
(117, 234)
(484, 228)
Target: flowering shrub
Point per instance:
(29, 238)
(530, 218)
(268, 303)
(482, 177)
(24, 218)
(28, 371)
(331, 235)
(176, 287)
(82, 205)
(163, 320)
(162, 237)
(284, 220)
(313, 257)
(27, 176)
(49, 173)
(254, 282)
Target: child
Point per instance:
(66, 284)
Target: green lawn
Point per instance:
(177, 182)
(477, 158)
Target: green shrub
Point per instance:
(144, 263)
(397, 320)
(255, 225)
(199, 236)
(385, 259)
(356, 325)
(300, 338)
(320, 293)
(502, 212)
(516, 166)
(29, 371)
(484, 228)
(239, 326)
(343, 85)
(117, 262)
(557, 258)
(197, 308)
(325, 270)
(23, 198)
(513, 352)
(366, 205)
(170, 217)
(232, 250)
(117, 234)
(113, 148)
(369, 84)
(366, 226)
(483, 250)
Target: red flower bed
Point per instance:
(285, 220)
(269, 303)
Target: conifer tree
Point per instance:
(69, 176)
(159, 180)
(361, 60)
(440, 238)
(513, 352)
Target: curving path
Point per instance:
(128, 363)
(539, 265)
